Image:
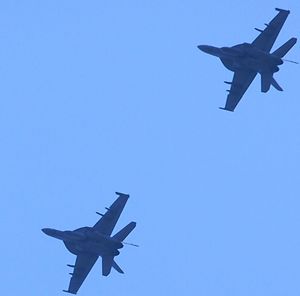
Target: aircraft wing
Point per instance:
(267, 37)
(108, 221)
(84, 263)
(239, 85)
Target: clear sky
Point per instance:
(105, 96)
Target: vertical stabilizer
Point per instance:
(276, 85)
(107, 263)
(117, 267)
(267, 80)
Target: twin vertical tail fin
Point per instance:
(276, 85)
(267, 78)
(117, 267)
(108, 261)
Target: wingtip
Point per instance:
(222, 108)
(67, 291)
(122, 194)
(283, 10)
(133, 223)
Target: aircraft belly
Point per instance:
(73, 248)
(94, 248)
(230, 64)
(251, 64)
(84, 247)
(256, 63)
(101, 249)
(260, 65)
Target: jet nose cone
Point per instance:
(205, 48)
(47, 230)
(51, 232)
(56, 233)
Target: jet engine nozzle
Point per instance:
(276, 60)
(120, 245)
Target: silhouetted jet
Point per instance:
(88, 243)
(248, 59)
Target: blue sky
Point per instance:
(102, 96)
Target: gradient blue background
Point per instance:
(99, 96)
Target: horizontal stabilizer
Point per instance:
(117, 267)
(266, 80)
(107, 263)
(123, 233)
(284, 49)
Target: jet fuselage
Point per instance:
(244, 57)
(86, 240)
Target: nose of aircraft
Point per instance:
(205, 48)
(48, 231)
(55, 233)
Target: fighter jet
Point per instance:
(88, 243)
(248, 59)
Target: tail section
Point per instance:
(107, 263)
(276, 85)
(267, 80)
(117, 267)
(285, 48)
(123, 233)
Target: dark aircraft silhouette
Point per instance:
(88, 243)
(248, 59)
